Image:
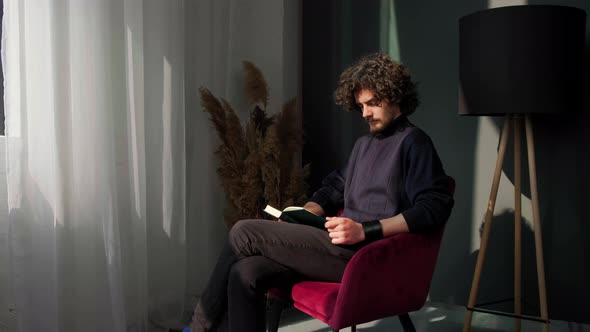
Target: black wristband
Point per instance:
(373, 230)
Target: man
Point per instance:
(394, 182)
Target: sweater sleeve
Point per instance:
(331, 195)
(427, 186)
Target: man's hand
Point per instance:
(344, 230)
(314, 208)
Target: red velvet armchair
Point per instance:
(401, 269)
(389, 277)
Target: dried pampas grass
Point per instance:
(255, 86)
(258, 164)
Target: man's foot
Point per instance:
(199, 323)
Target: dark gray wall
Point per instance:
(330, 42)
(428, 41)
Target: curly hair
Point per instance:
(381, 75)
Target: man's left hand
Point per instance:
(344, 230)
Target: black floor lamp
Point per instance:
(514, 62)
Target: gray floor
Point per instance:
(432, 317)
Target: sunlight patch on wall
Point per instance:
(392, 32)
(504, 3)
(486, 153)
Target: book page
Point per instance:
(296, 208)
(272, 211)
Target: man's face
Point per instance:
(378, 113)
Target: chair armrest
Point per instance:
(387, 277)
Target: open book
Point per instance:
(297, 215)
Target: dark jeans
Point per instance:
(262, 254)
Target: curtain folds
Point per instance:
(115, 211)
(96, 163)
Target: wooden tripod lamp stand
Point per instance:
(513, 62)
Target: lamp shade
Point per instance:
(521, 59)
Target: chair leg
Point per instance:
(273, 315)
(407, 324)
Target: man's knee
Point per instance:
(237, 279)
(245, 274)
(255, 274)
(242, 234)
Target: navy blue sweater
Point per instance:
(395, 171)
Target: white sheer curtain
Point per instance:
(94, 95)
(115, 210)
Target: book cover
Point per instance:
(297, 215)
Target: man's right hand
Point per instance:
(344, 230)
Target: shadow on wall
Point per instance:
(562, 161)
(497, 276)
(343, 31)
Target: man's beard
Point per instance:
(374, 126)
